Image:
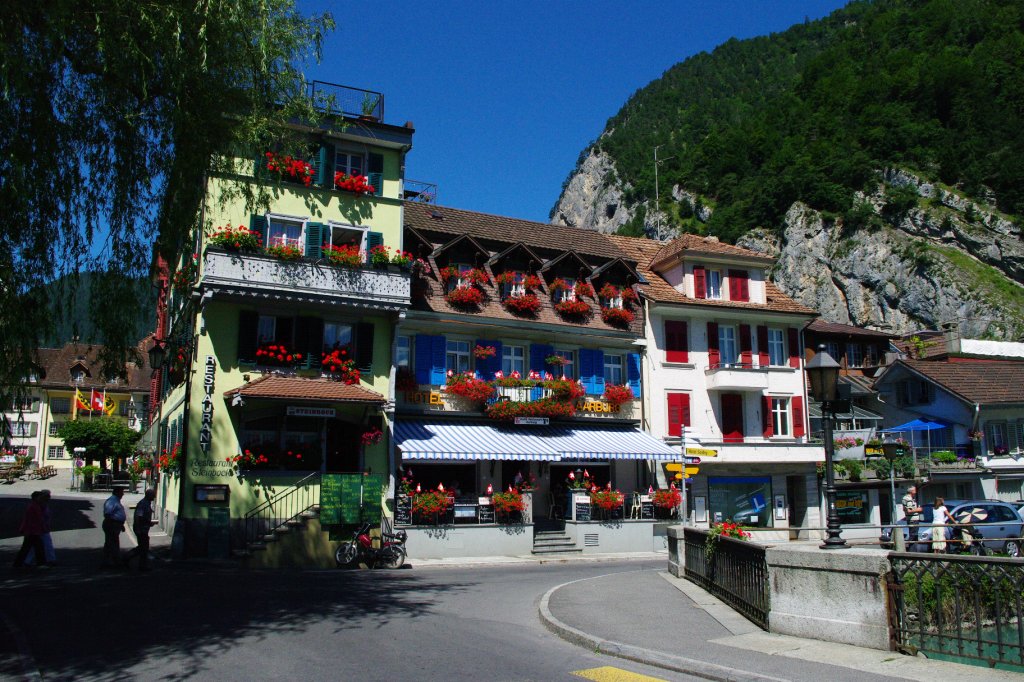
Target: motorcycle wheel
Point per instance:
(346, 554)
(392, 557)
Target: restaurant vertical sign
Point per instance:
(206, 430)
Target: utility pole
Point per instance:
(657, 198)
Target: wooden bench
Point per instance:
(12, 473)
(44, 472)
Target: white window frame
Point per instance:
(53, 428)
(298, 242)
(854, 355)
(513, 358)
(614, 364)
(403, 351)
(563, 295)
(331, 224)
(570, 355)
(457, 351)
(55, 452)
(517, 287)
(781, 424)
(996, 435)
(832, 348)
(21, 429)
(776, 347)
(727, 337)
(713, 284)
(346, 166)
(350, 346)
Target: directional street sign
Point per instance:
(690, 471)
(691, 460)
(680, 477)
(674, 466)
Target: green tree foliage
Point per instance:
(111, 113)
(101, 438)
(812, 113)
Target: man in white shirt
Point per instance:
(114, 517)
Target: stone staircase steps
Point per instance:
(554, 542)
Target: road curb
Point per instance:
(680, 664)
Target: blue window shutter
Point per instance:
(633, 372)
(373, 239)
(438, 356)
(314, 240)
(423, 359)
(488, 366)
(539, 351)
(375, 173)
(598, 372)
(258, 224)
(587, 369)
(325, 166)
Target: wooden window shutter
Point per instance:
(762, 345)
(375, 173)
(714, 357)
(678, 413)
(283, 329)
(373, 239)
(364, 346)
(739, 287)
(794, 348)
(258, 224)
(798, 416)
(746, 356)
(633, 373)
(699, 283)
(325, 166)
(248, 322)
(766, 418)
(314, 240)
(677, 347)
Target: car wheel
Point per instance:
(1012, 548)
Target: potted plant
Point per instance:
(380, 256)
(287, 167)
(617, 394)
(508, 505)
(523, 305)
(607, 500)
(348, 255)
(429, 506)
(403, 259)
(665, 501)
(285, 253)
(338, 365)
(88, 474)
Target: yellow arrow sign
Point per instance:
(701, 452)
(692, 470)
(674, 466)
(680, 477)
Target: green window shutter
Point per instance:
(314, 240)
(309, 336)
(283, 329)
(248, 323)
(375, 173)
(325, 166)
(258, 224)
(373, 239)
(364, 346)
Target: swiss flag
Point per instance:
(96, 401)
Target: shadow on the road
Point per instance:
(65, 514)
(81, 622)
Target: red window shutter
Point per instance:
(699, 284)
(677, 346)
(766, 418)
(739, 288)
(732, 417)
(746, 356)
(762, 345)
(714, 357)
(685, 408)
(675, 413)
(794, 348)
(798, 416)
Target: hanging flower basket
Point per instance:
(525, 305)
(617, 394)
(371, 436)
(484, 352)
(617, 317)
(574, 310)
(340, 366)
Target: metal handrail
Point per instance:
(282, 509)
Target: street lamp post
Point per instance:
(823, 374)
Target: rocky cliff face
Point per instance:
(947, 260)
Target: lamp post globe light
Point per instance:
(823, 374)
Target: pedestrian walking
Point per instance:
(142, 521)
(940, 517)
(114, 517)
(48, 551)
(33, 525)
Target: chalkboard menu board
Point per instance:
(647, 509)
(218, 536)
(371, 497)
(330, 499)
(403, 511)
(350, 499)
(582, 511)
(486, 514)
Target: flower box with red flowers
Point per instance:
(560, 284)
(584, 289)
(667, 499)
(402, 259)
(565, 389)
(606, 500)
(484, 352)
(340, 366)
(431, 502)
(357, 184)
(380, 256)
(186, 274)
(629, 296)
(527, 304)
(277, 355)
(290, 168)
(348, 256)
(169, 462)
(609, 291)
(469, 387)
(617, 317)
(577, 310)
(288, 253)
(617, 394)
(508, 502)
(236, 238)
(371, 436)
(545, 407)
(465, 297)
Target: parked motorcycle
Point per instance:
(360, 549)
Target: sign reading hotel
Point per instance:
(206, 430)
(300, 411)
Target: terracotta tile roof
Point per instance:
(824, 327)
(703, 246)
(298, 388)
(456, 221)
(57, 364)
(644, 251)
(981, 382)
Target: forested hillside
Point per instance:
(893, 115)
(73, 304)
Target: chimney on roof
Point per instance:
(951, 333)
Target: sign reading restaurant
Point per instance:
(206, 429)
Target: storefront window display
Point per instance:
(852, 506)
(743, 500)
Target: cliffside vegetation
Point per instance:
(813, 113)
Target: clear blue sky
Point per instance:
(505, 95)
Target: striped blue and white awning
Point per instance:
(440, 440)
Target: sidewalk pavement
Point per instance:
(657, 619)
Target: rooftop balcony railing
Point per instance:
(422, 192)
(331, 98)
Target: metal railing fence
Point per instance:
(735, 571)
(959, 607)
(282, 509)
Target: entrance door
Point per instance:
(343, 443)
(732, 417)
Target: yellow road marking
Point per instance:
(610, 674)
